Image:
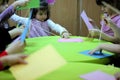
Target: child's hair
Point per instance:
(43, 7)
(4, 2)
(114, 3)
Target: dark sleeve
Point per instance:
(5, 39)
(1, 66)
(7, 13)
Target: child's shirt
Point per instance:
(106, 29)
(38, 28)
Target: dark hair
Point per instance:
(43, 7)
(114, 3)
(99, 2)
(4, 2)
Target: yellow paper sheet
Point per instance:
(40, 63)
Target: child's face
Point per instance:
(3, 5)
(105, 10)
(41, 15)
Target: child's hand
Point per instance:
(15, 47)
(117, 76)
(13, 59)
(20, 3)
(94, 50)
(92, 22)
(16, 32)
(94, 33)
(65, 34)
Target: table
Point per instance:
(77, 63)
(69, 50)
(72, 71)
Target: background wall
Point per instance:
(67, 14)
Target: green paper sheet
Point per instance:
(31, 4)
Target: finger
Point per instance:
(21, 61)
(23, 56)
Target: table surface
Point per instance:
(72, 71)
(69, 50)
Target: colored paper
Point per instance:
(70, 40)
(40, 63)
(86, 20)
(97, 75)
(31, 4)
(23, 35)
(96, 54)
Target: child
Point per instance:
(116, 30)
(41, 25)
(6, 37)
(107, 33)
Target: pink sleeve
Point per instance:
(118, 23)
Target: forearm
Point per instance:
(114, 48)
(115, 29)
(56, 27)
(107, 37)
(6, 14)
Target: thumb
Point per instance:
(22, 61)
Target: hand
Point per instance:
(16, 32)
(92, 22)
(10, 60)
(65, 35)
(20, 3)
(94, 50)
(117, 76)
(94, 33)
(15, 47)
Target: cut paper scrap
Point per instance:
(86, 20)
(30, 4)
(40, 63)
(95, 55)
(97, 75)
(70, 40)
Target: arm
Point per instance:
(56, 27)
(11, 48)
(15, 47)
(59, 29)
(11, 9)
(116, 29)
(10, 60)
(7, 13)
(19, 19)
(114, 48)
(104, 36)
